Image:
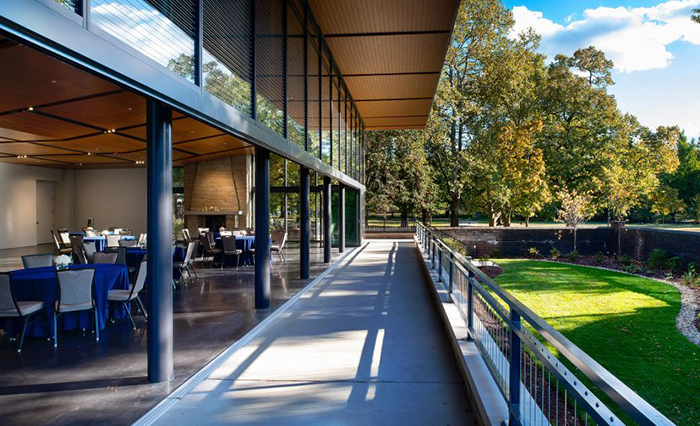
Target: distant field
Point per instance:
(442, 222)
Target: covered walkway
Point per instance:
(363, 346)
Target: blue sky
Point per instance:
(655, 47)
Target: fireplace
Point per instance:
(214, 222)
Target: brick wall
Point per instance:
(635, 242)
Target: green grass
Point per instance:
(626, 323)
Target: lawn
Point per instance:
(626, 323)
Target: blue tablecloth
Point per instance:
(134, 256)
(243, 243)
(40, 284)
(101, 241)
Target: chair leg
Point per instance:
(196, 277)
(55, 331)
(97, 326)
(143, 307)
(24, 331)
(127, 306)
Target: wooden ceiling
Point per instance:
(390, 53)
(55, 115)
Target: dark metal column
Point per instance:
(327, 243)
(262, 228)
(304, 223)
(341, 218)
(160, 242)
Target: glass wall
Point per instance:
(326, 115)
(162, 30)
(269, 63)
(296, 111)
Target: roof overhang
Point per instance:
(390, 53)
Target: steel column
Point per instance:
(327, 242)
(262, 228)
(160, 241)
(305, 223)
(341, 218)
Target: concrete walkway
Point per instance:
(362, 347)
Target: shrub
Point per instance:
(625, 260)
(554, 254)
(633, 269)
(496, 254)
(533, 253)
(675, 264)
(657, 259)
(694, 268)
(690, 279)
(599, 257)
(573, 256)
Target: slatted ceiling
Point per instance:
(45, 127)
(85, 159)
(183, 129)
(362, 16)
(14, 135)
(103, 143)
(26, 80)
(211, 145)
(394, 108)
(34, 161)
(108, 112)
(14, 148)
(395, 121)
(387, 87)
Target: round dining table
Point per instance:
(41, 284)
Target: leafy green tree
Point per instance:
(696, 15)
(576, 209)
(665, 201)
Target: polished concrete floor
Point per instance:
(84, 382)
(364, 346)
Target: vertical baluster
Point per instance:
(452, 268)
(514, 384)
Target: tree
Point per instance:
(576, 209)
(696, 15)
(665, 201)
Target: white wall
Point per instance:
(18, 202)
(112, 197)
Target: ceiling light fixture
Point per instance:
(54, 81)
(30, 109)
(21, 156)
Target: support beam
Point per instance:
(341, 218)
(327, 243)
(262, 228)
(304, 223)
(160, 241)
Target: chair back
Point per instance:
(186, 235)
(113, 240)
(142, 239)
(37, 260)
(127, 243)
(89, 249)
(116, 231)
(140, 278)
(74, 286)
(121, 254)
(189, 253)
(79, 255)
(225, 233)
(211, 241)
(283, 240)
(127, 232)
(102, 257)
(229, 243)
(7, 297)
(55, 240)
(65, 237)
(90, 233)
(75, 240)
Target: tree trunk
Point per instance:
(527, 221)
(505, 218)
(575, 239)
(454, 210)
(404, 218)
(424, 216)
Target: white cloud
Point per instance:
(635, 38)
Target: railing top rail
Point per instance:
(634, 405)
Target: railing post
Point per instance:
(514, 379)
(451, 277)
(440, 251)
(470, 303)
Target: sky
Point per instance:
(653, 43)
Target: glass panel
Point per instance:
(228, 52)
(269, 57)
(335, 125)
(326, 116)
(313, 104)
(163, 30)
(295, 78)
(73, 5)
(341, 134)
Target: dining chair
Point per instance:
(89, 248)
(278, 245)
(229, 245)
(65, 237)
(127, 243)
(121, 254)
(37, 260)
(125, 297)
(91, 233)
(143, 239)
(116, 231)
(126, 232)
(10, 307)
(102, 257)
(183, 265)
(113, 240)
(75, 240)
(210, 249)
(75, 290)
(186, 235)
(60, 249)
(79, 255)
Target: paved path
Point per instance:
(363, 347)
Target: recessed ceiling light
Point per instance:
(192, 132)
(30, 109)
(130, 108)
(54, 81)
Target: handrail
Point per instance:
(629, 401)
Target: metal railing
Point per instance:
(537, 386)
